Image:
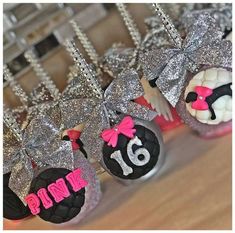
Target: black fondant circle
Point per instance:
(65, 210)
(13, 208)
(149, 141)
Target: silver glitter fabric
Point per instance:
(119, 57)
(174, 11)
(203, 45)
(40, 94)
(116, 59)
(222, 15)
(10, 147)
(78, 97)
(154, 38)
(93, 191)
(177, 10)
(42, 144)
(40, 100)
(118, 98)
(77, 93)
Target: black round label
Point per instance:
(13, 208)
(132, 158)
(64, 210)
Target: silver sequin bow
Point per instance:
(41, 143)
(222, 13)
(203, 45)
(94, 112)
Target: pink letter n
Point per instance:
(58, 190)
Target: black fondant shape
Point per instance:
(13, 208)
(226, 33)
(149, 141)
(65, 210)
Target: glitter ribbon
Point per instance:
(41, 143)
(117, 58)
(94, 112)
(221, 13)
(203, 45)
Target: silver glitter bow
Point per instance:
(120, 57)
(41, 143)
(95, 112)
(222, 13)
(203, 45)
(117, 58)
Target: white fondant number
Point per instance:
(133, 156)
(118, 157)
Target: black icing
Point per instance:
(217, 93)
(64, 210)
(149, 141)
(152, 82)
(226, 33)
(13, 208)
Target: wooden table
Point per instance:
(192, 191)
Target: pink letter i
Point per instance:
(46, 200)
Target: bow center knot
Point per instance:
(202, 94)
(115, 128)
(125, 127)
(23, 152)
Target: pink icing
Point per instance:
(58, 190)
(126, 127)
(76, 181)
(46, 200)
(202, 92)
(33, 203)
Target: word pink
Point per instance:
(58, 190)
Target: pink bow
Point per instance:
(125, 128)
(73, 136)
(202, 93)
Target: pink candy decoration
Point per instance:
(58, 190)
(202, 92)
(46, 200)
(125, 127)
